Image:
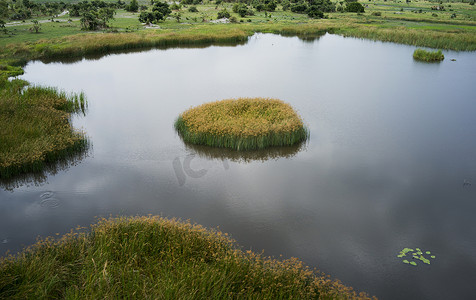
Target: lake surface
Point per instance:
(389, 164)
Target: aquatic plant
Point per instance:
(157, 258)
(428, 56)
(416, 254)
(242, 124)
(35, 127)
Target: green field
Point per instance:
(457, 33)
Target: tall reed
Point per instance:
(35, 127)
(242, 124)
(428, 56)
(157, 258)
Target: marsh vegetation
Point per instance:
(153, 257)
(35, 127)
(428, 56)
(242, 124)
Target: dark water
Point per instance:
(389, 164)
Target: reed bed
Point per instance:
(428, 56)
(242, 124)
(35, 127)
(449, 40)
(157, 258)
(80, 45)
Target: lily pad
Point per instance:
(416, 254)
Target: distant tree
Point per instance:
(2, 26)
(269, 5)
(300, 7)
(242, 9)
(96, 19)
(314, 12)
(175, 6)
(26, 3)
(323, 5)
(3, 9)
(223, 14)
(159, 12)
(355, 7)
(35, 26)
(133, 6)
(177, 16)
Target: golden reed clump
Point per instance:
(242, 124)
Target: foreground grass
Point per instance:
(242, 124)
(428, 56)
(35, 127)
(157, 258)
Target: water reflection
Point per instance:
(305, 37)
(50, 168)
(389, 163)
(248, 156)
(68, 59)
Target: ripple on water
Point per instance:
(48, 200)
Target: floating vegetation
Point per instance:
(428, 56)
(416, 254)
(242, 124)
(35, 127)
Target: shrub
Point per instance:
(192, 9)
(314, 12)
(300, 7)
(355, 7)
(242, 9)
(175, 6)
(159, 12)
(133, 6)
(223, 14)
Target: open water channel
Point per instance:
(391, 162)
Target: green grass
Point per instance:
(442, 32)
(428, 56)
(242, 124)
(157, 258)
(35, 127)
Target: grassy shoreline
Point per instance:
(93, 43)
(36, 128)
(153, 257)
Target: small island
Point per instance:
(428, 56)
(242, 124)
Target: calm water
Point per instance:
(389, 163)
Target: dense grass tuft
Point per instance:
(35, 127)
(242, 124)
(428, 56)
(157, 258)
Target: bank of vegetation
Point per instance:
(242, 124)
(428, 56)
(35, 127)
(157, 258)
(69, 34)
